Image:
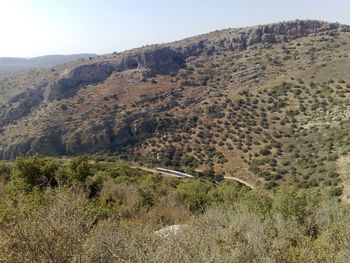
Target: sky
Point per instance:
(31, 28)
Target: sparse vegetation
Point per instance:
(64, 222)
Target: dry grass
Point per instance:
(65, 230)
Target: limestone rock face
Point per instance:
(275, 33)
(21, 105)
(158, 60)
(268, 38)
(171, 231)
(11, 151)
(255, 37)
(68, 84)
(48, 143)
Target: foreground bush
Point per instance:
(65, 222)
(51, 233)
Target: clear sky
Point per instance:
(39, 27)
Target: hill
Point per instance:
(265, 103)
(8, 64)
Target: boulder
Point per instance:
(171, 231)
(268, 38)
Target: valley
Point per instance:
(230, 146)
(266, 104)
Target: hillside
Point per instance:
(8, 64)
(267, 103)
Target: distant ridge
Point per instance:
(11, 64)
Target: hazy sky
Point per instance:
(40, 27)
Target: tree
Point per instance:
(35, 172)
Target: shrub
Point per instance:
(335, 191)
(51, 233)
(291, 203)
(79, 168)
(194, 194)
(34, 172)
(265, 151)
(258, 202)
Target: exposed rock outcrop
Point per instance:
(171, 231)
(157, 60)
(268, 38)
(70, 83)
(21, 105)
(275, 33)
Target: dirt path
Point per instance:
(240, 181)
(343, 168)
(165, 173)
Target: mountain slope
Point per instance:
(8, 64)
(266, 103)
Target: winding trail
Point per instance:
(177, 174)
(239, 181)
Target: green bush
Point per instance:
(258, 202)
(335, 191)
(35, 172)
(265, 151)
(79, 168)
(194, 194)
(296, 204)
